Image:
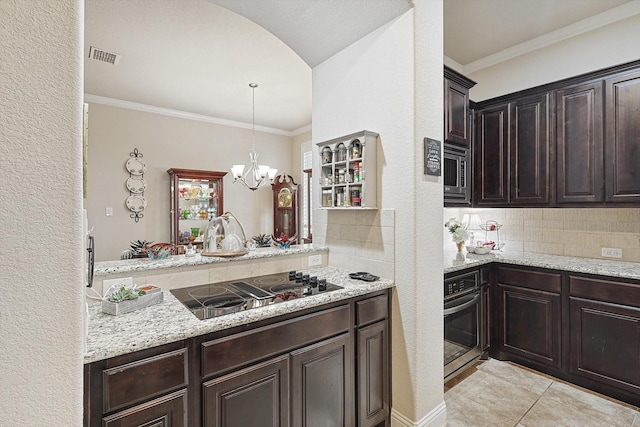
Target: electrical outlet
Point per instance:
(108, 211)
(612, 252)
(314, 260)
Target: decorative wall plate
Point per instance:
(136, 203)
(136, 166)
(136, 184)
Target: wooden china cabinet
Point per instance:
(196, 198)
(285, 206)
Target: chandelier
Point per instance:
(256, 175)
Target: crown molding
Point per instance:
(610, 16)
(188, 116)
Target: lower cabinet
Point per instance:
(529, 316)
(324, 366)
(322, 384)
(254, 396)
(605, 335)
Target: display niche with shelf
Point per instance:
(196, 198)
(348, 171)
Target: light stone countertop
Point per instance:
(623, 269)
(104, 268)
(171, 321)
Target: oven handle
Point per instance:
(461, 307)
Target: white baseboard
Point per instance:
(437, 417)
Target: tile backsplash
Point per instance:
(581, 232)
(362, 240)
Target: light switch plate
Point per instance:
(612, 252)
(108, 211)
(314, 260)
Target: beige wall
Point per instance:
(41, 213)
(604, 47)
(170, 142)
(581, 232)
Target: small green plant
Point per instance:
(124, 294)
(262, 240)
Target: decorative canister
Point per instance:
(341, 153)
(327, 155)
(356, 149)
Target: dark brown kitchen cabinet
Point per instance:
(326, 365)
(579, 144)
(622, 141)
(491, 176)
(605, 335)
(529, 317)
(529, 145)
(372, 369)
(149, 387)
(456, 108)
(485, 322)
(322, 384)
(257, 396)
(512, 153)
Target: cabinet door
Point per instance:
(579, 148)
(167, 411)
(456, 106)
(529, 150)
(254, 397)
(623, 138)
(322, 384)
(492, 161)
(605, 343)
(529, 322)
(373, 374)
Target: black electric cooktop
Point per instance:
(218, 299)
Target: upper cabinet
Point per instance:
(348, 171)
(579, 143)
(196, 198)
(622, 141)
(568, 143)
(457, 129)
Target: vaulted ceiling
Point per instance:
(198, 56)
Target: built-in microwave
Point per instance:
(456, 175)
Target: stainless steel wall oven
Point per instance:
(462, 322)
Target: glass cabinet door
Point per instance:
(196, 198)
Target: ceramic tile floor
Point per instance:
(502, 394)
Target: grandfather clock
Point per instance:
(285, 207)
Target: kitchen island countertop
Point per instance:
(457, 261)
(105, 268)
(171, 321)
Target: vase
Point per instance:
(460, 245)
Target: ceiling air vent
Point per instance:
(104, 56)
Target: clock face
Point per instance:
(284, 198)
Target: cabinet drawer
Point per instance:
(246, 347)
(605, 290)
(133, 382)
(371, 309)
(170, 410)
(550, 282)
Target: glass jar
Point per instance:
(326, 198)
(341, 176)
(341, 153)
(340, 197)
(327, 155)
(355, 149)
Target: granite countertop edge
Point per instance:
(170, 321)
(105, 268)
(621, 269)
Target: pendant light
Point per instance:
(256, 175)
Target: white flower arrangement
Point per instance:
(457, 230)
